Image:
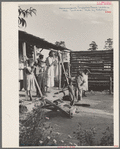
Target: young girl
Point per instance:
(40, 74)
(85, 85)
(30, 79)
(79, 85)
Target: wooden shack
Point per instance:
(28, 45)
(31, 42)
(100, 64)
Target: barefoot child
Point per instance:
(85, 85)
(40, 74)
(71, 91)
(79, 85)
(30, 79)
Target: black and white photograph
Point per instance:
(66, 74)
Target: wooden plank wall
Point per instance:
(100, 63)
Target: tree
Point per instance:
(64, 54)
(93, 46)
(61, 43)
(108, 44)
(22, 14)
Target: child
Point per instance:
(85, 85)
(40, 74)
(30, 79)
(71, 91)
(79, 85)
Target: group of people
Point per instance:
(42, 71)
(81, 86)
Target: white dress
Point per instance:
(85, 85)
(30, 79)
(21, 67)
(50, 72)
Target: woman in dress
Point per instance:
(50, 61)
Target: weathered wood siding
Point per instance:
(100, 63)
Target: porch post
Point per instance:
(110, 85)
(24, 52)
(59, 71)
(35, 48)
(25, 64)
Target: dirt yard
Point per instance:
(94, 111)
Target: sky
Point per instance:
(77, 24)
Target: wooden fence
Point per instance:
(100, 64)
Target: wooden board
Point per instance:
(62, 106)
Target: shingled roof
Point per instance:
(39, 42)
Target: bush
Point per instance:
(107, 138)
(33, 131)
(87, 137)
